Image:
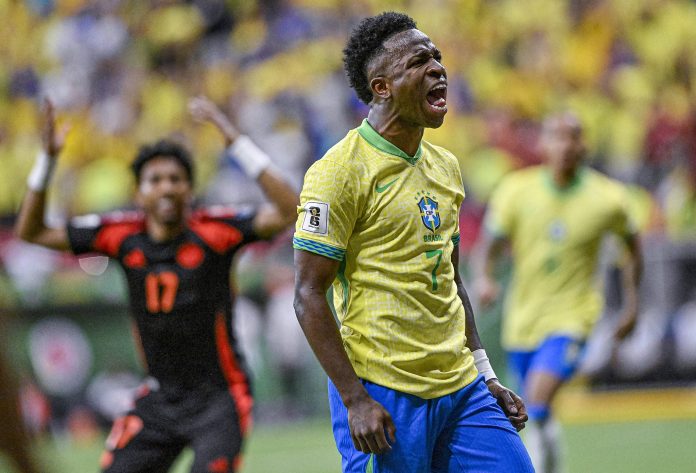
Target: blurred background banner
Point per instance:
(120, 72)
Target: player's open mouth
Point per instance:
(166, 205)
(437, 97)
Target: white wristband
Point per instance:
(41, 172)
(483, 365)
(250, 157)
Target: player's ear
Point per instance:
(380, 87)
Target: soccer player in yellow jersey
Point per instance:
(554, 217)
(411, 389)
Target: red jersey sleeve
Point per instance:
(224, 228)
(102, 233)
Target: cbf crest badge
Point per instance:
(430, 215)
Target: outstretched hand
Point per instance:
(52, 140)
(370, 423)
(511, 403)
(202, 109)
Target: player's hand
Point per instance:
(487, 290)
(370, 423)
(203, 110)
(511, 403)
(52, 140)
(627, 323)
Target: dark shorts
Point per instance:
(151, 436)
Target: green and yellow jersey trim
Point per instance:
(375, 139)
(319, 248)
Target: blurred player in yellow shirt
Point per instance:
(554, 217)
(378, 221)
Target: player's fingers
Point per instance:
(377, 442)
(200, 108)
(521, 408)
(518, 420)
(509, 403)
(356, 443)
(381, 441)
(195, 109)
(202, 99)
(391, 430)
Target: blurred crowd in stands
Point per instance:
(121, 71)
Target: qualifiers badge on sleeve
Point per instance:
(316, 219)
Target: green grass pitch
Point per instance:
(307, 447)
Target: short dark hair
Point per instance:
(365, 42)
(162, 148)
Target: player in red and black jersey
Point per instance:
(177, 262)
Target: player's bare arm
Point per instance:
(511, 403)
(30, 225)
(632, 274)
(282, 210)
(367, 419)
(486, 287)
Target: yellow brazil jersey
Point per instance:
(555, 236)
(392, 221)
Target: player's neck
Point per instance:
(563, 178)
(161, 232)
(391, 128)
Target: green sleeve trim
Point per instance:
(319, 248)
(455, 238)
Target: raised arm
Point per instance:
(282, 210)
(511, 403)
(30, 225)
(632, 274)
(367, 419)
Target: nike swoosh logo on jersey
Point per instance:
(386, 186)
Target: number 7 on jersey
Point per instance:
(431, 254)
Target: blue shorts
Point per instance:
(559, 355)
(465, 431)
